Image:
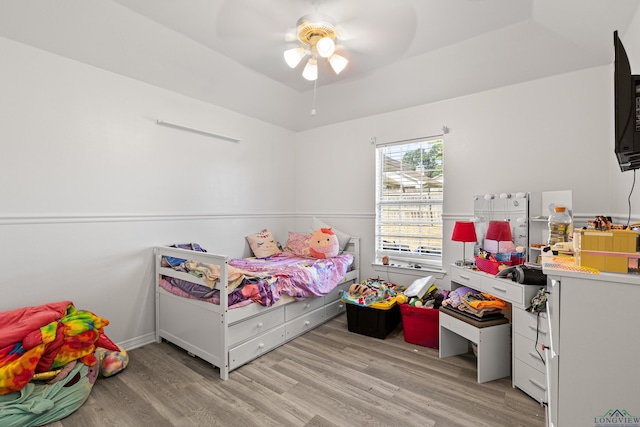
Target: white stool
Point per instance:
(492, 338)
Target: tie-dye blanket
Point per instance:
(42, 338)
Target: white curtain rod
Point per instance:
(201, 132)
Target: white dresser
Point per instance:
(528, 371)
(595, 349)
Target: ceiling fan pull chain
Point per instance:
(315, 86)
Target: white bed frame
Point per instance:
(230, 338)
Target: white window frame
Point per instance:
(417, 218)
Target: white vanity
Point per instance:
(519, 356)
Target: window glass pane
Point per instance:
(409, 195)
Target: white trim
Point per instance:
(187, 216)
(440, 273)
(136, 342)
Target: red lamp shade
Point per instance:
(499, 231)
(464, 231)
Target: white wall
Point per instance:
(91, 183)
(548, 134)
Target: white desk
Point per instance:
(493, 341)
(497, 355)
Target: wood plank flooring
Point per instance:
(327, 377)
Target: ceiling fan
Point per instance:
(369, 34)
(318, 34)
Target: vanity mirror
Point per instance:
(511, 207)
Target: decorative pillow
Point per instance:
(343, 238)
(323, 243)
(263, 244)
(298, 244)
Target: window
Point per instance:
(409, 196)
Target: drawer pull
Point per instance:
(307, 323)
(261, 345)
(260, 325)
(536, 357)
(540, 331)
(462, 276)
(537, 384)
(307, 305)
(497, 288)
(341, 306)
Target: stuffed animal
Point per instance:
(112, 362)
(361, 289)
(323, 243)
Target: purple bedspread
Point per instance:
(283, 273)
(299, 277)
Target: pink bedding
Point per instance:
(299, 277)
(267, 280)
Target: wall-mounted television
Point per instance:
(627, 109)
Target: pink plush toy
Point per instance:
(323, 243)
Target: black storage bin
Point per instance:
(372, 322)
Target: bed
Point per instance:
(228, 334)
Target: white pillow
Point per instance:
(343, 238)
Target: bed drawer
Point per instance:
(333, 309)
(304, 323)
(336, 293)
(253, 326)
(291, 311)
(256, 347)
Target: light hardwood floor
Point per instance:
(327, 377)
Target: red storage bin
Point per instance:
(421, 325)
(489, 266)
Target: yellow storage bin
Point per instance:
(607, 250)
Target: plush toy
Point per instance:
(455, 297)
(360, 288)
(112, 362)
(323, 243)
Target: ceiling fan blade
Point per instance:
(258, 18)
(373, 30)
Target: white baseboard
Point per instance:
(136, 342)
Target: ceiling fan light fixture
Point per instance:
(310, 71)
(317, 33)
(325, 47)
(293, 56)
(338, 63)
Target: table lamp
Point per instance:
(465, 232)
(500, 231)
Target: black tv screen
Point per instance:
(627, 109)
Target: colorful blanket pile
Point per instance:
(46, 337)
